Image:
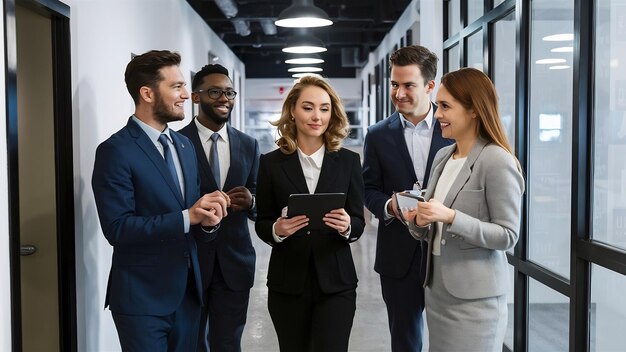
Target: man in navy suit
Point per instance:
(229, 161)
(147, 191)
(398, 155)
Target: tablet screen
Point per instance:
(315, 206)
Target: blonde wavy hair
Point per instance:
(337, 126)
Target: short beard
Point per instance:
(207, 109)
(161, 112)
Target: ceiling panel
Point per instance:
(358, 28)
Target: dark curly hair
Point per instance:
(205, 71)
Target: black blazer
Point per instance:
(387, 168)
(281, 175)
(232, 246)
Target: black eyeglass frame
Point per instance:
(213, 93)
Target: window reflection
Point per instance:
(550, 135)
(474, 10)
(608, 310)
(453, 59)
(503, 74)
(454, 17)
(548, 318)
(609, 204)
(475, 51)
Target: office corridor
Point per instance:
(370, 332)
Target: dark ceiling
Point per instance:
(358, 28)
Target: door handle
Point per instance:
(27, 249)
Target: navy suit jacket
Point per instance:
(140, 211)
(387, 168)
(281, 175)
(232, 246)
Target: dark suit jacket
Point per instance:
(232, 247)
(140, 212)
(281, 175)
(387, 168)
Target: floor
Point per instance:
(370, 331)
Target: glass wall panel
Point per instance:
(475, 51)
(608, 310)
(474, 10)
(508, 337)
(497, 2)
(504, 72)
(453, 59)
(548, 318)
(550, 135)
(454, 17)
(609, 203)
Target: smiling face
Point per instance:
(214, 112)
(169, 96)
(409, 93)
(457, 122)
(312, 113)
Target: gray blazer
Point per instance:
(486, 196)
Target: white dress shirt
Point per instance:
(223, 148)
(418, 138)
(154, 134)
(448, 175)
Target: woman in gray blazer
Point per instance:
(471, 217)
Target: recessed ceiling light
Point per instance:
(549, 61)
(563, 49)
(559, 37)
(559, 67)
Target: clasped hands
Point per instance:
(424, 213)
(209, 209)
(337, 219)
(212, 207)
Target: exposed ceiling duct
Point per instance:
(230, 10)
(242, 27)
(268, 26)
(228, 7)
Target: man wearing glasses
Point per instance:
(228, 161)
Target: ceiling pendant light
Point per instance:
(304, 43)
(302, 74)
(305, 69)
(303, 14)
(302, 59)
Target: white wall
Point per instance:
(5, 274)
(104, 33)
(424, 17)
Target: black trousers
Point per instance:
(223, 316)
(313, 321)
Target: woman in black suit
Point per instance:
(311, 279)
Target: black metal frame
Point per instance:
(66, 257)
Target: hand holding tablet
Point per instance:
(315, 206)
(407, 203)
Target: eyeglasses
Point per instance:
(215, 93)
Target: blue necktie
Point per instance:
(169, 159)
(215, 159)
